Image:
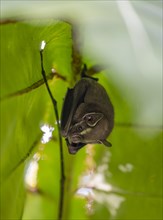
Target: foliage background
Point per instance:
(124, 182)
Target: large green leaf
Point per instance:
(24, 102)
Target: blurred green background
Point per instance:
(123, 182)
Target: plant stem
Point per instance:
(62, 178)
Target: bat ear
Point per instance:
(106, 143)
(92, 118)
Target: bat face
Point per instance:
(83, 130)
(87, 115)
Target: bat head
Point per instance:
(92, 128)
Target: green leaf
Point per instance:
(13, 195)
(24, 101)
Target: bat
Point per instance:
(87, 115)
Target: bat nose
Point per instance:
(76, 138)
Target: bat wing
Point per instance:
(73, 99)
(66, 110)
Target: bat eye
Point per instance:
(80, 128)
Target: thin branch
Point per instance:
(62, 180)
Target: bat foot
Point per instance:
(84, 75)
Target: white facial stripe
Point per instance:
(86, 131)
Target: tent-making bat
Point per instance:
(87, 115)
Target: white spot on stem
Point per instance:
(43, 44)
